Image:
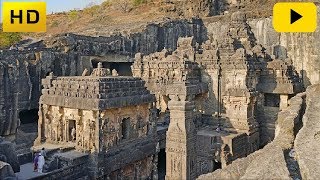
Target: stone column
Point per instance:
(180, 149)
(283, 101)
(41, 126)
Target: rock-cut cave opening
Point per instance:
(123, 68)
(28, 116)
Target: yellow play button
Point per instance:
(295, 17)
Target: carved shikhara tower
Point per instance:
(109, 118)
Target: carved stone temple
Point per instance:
(108, 121)
(173, 113)
(218, 97)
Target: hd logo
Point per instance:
(24, 16)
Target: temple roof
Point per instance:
(96, 92)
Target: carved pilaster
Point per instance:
(180, 142)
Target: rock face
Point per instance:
(8, 154)
(6, 171)
(301, 48)
(307, 142)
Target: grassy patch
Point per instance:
(8, 39)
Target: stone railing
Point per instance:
(70, 172)
(269, 162)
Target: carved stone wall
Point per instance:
(108, 117)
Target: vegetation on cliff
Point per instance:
(8, 39)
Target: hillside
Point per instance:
(128, 16)
(121, 16)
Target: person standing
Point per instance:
(35, 162)
(43, 153)
(41, 162)
(73, 134)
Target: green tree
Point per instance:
(8, 39)
(73, 14)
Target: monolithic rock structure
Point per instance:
(240, 77)
(206, 92)
(111, 120)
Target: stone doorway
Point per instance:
(125, 128)
(162, 164)
(72, 131)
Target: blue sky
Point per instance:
(62, 5)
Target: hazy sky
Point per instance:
(63, 5)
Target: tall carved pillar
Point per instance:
(180, 140)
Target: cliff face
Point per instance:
(301, 48)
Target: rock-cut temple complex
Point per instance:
(215, 101)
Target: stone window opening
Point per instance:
(125, 128)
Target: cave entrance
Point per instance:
(162, 164)
(29, 116)
(123, 68)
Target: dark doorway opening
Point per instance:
(125, 127)
(162, 164)
(123, 68)
(272, 100)
(29, 116)
(72, 130)
(216, 165)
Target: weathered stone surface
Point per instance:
(8, 154)
(301, 48)
(270, 164)
(6, 171)
(307, 142)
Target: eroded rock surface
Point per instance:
(6, 171)
(307, 142)
(8, 154)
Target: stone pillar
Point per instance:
(41, 126)
(180, 141)
(283, 101)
